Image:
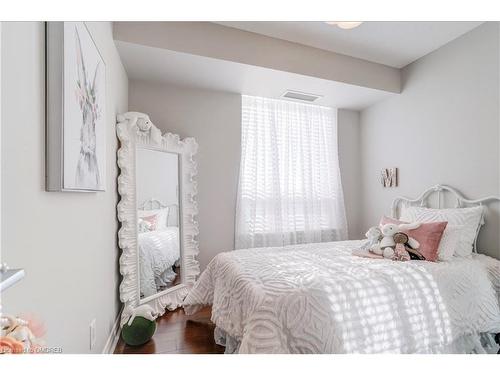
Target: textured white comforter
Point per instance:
(158, 252)
(318, 298)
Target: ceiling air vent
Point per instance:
(302, 96)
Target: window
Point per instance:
(289, 188)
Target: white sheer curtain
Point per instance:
(289, 188)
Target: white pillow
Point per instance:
(449, 242)
(162, 216)
(469, 217)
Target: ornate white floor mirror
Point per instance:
(158, 216)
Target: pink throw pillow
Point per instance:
(427, 234)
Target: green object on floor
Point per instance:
(139, 332)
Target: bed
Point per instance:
(158, 255)
(159, 251)
(319, 298)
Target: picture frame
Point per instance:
(75, 109)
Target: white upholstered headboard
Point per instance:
(439, 191)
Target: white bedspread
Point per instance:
(318, 298)
(158, 252)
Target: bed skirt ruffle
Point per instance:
(479, 343)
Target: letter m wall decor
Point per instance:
(389, 177)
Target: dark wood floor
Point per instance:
(178, 333)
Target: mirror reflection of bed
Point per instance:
(158, 221)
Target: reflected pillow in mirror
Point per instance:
(162, 217)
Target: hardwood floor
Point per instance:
(177, 333)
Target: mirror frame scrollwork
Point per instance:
(135, 130)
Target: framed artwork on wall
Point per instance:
(76, 108)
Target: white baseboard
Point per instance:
(114, 335)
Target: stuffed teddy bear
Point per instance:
(387, 244)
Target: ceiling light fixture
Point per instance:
(346, 25)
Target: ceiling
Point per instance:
(166, 66)
(390, 43)
(394, 44)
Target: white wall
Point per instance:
(443, 128)
(350, 169)
(66, 242)
(157, 176)
(214, 119)
(0, 139)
